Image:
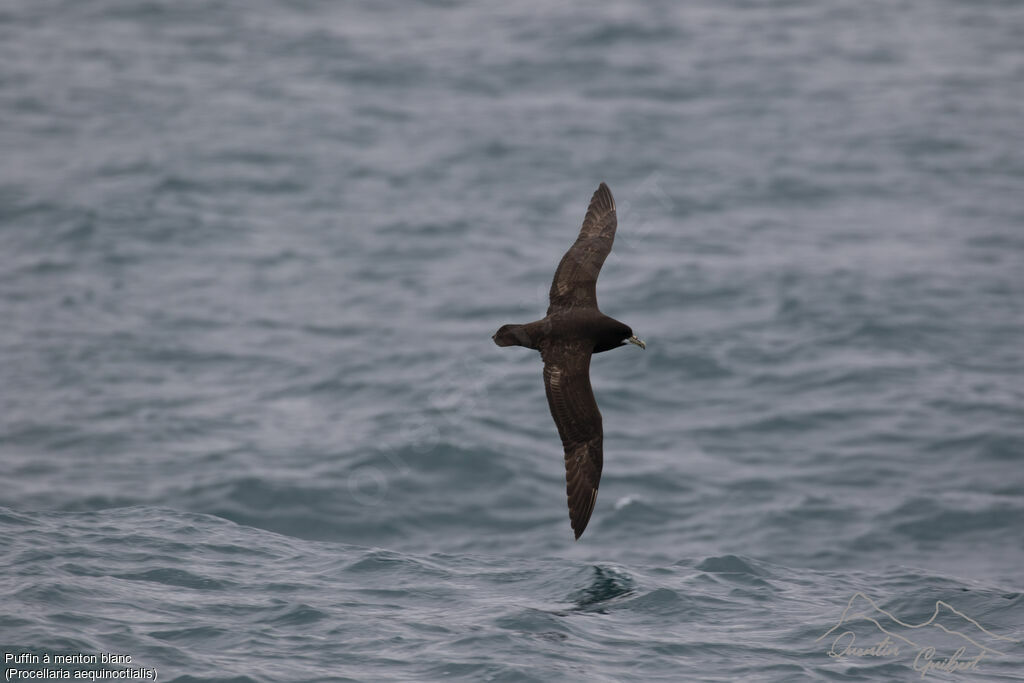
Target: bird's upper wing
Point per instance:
(571, 399)
(575, 282)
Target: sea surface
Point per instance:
(253, 427)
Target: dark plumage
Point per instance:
(573, 329)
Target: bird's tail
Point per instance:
(512, 335)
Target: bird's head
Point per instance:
(627, 337)
(618, 334)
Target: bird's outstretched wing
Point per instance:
(571, 399)
(575, 283)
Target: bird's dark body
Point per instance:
(582, 324)
(574, 329)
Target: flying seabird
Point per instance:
(573, 329)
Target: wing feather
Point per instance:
(576, 415)
(575, 281)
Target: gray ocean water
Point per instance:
(253, 427)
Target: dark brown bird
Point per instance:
(573, 329)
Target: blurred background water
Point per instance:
(252, 424)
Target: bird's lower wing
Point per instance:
(574, 409)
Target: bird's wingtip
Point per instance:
(603, 197)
